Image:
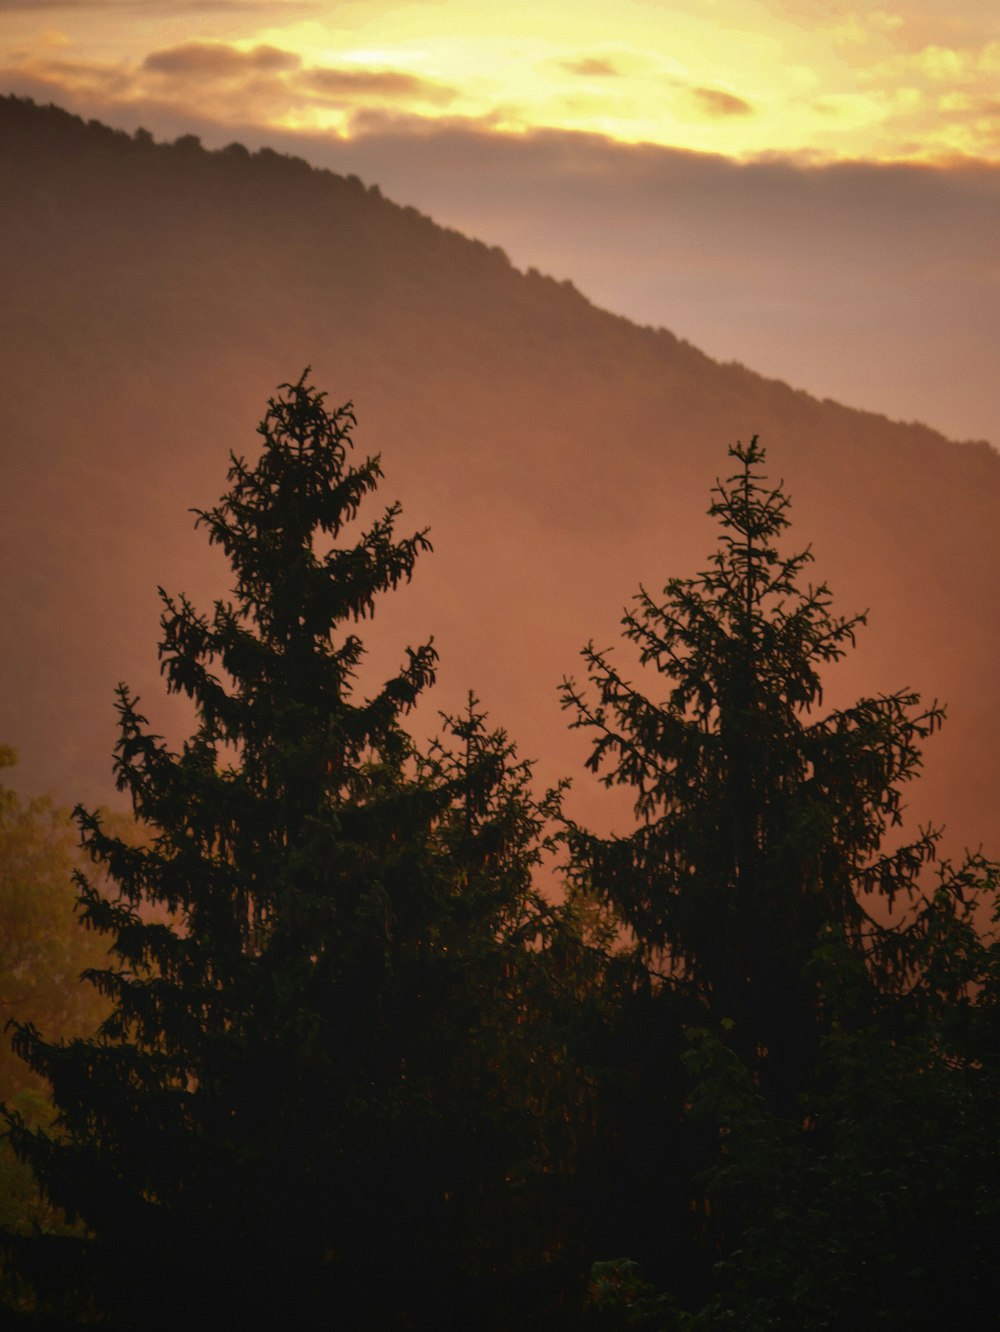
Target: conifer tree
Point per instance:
(273, 1122)
(828, 1127)
(761, 825)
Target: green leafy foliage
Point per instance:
(618, 1297)
(42, 950)
(43, 953)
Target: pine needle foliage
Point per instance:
(271, 1114)
(761, 825)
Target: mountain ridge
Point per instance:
(559, 452)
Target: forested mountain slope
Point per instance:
(155, 295)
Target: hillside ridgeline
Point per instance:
(560, 455)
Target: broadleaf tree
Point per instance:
(42, 953)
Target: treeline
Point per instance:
(359, 1065)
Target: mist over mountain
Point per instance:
(154, 297)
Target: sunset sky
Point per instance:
(780, 182)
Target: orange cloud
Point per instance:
(222, 83)
(715, 102)
(374, 83)
(62, 77)
(591, 67)
(217, 59)
(221, 63)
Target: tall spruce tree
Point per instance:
(829, 1128)
(298, 1107)
(762, 825)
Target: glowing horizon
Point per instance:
(741, 78)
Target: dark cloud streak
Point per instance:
(718, 103)
(349, 83)
(591, 67)
(218, 58)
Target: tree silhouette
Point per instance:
(761, 889)
(762, 825)
(298, 1104)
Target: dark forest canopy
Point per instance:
(356, 1069)
(158, 287)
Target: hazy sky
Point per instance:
(813, 190)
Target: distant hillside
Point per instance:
(155, 295)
